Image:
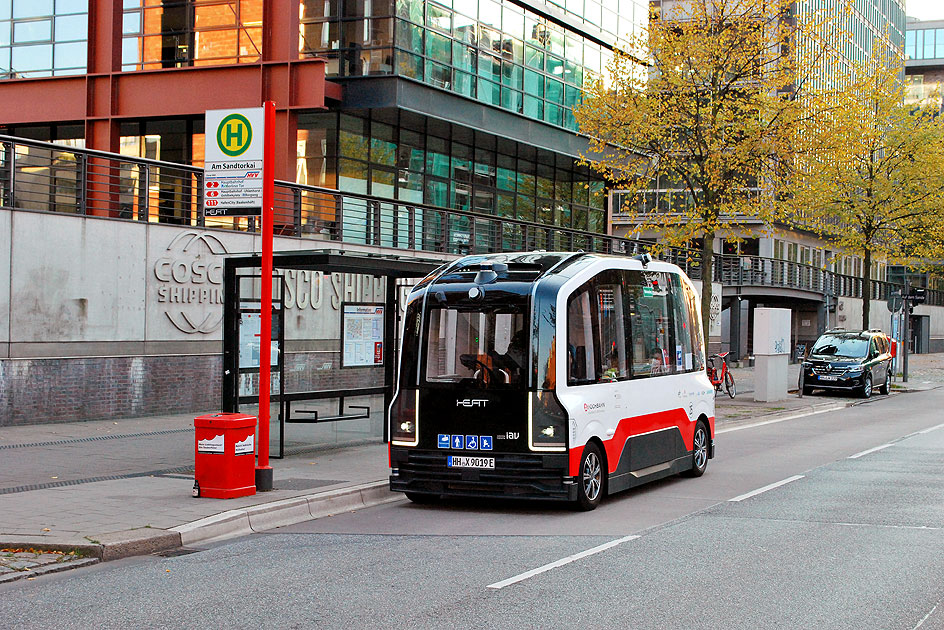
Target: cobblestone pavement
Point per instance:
(16, 563)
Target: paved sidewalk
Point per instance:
(110, 489)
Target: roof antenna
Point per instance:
(644, 258)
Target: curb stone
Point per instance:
(47, 569)
(268, 516)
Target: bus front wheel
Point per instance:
(590, 479)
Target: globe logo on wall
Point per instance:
(190, 282)
(714, 310)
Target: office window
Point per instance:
(42, 38)
(199, 32)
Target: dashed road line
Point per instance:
(754, 493)
(870, 450)
(559, 563)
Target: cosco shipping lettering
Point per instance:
(589, 370)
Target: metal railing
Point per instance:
(59, 178)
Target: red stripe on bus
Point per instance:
(639, 425)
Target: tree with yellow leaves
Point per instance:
(704, 103)
(871, 175)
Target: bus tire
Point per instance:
(590, 479)
(422, 499)
(699, 451)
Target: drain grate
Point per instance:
(77, 482)
(96, 438)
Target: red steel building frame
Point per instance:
(106, 96)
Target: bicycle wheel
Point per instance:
(729, 384)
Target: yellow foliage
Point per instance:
(870, 175)
(703, 102)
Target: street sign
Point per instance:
(895, 301)
(918, 296)
(232, 172)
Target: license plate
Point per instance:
(461, 461)
(828, 378)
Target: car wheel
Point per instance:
(699, 451)
(883, 388)
(591, 478)
(422, 499)
(866, 389)
(807, 391)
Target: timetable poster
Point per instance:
(363, 335)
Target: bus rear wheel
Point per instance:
(590, 478)
(699, 451)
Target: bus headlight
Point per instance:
(547, 423)
(403, 418)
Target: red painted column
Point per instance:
(101, 130)
(263, 470)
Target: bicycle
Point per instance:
(724, 378)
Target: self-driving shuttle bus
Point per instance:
(549, 375)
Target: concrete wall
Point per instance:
(106, 318)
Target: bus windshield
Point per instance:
(487, 348)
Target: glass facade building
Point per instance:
(924, 41)
(502, 78)
(498, 52)
(43, 38)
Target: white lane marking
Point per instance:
(754, 493)
(871, 450)
(784, 419)
(931, 429)
(921, 623)
(561, 562)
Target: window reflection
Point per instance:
(40, 39)
(176, 34)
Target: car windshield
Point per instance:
(848, 346)
(488, 349)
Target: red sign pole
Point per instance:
(263, 470)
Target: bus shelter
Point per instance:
(335, 329)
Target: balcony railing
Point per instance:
(54, 177)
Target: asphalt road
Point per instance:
(830, 521)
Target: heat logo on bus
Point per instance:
(472, 402)
(593, 407)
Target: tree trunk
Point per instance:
(707, 272)
(866, 288)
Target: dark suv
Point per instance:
(853, 360)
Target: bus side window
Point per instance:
(580, 363)
(698, 345)
(684, 343)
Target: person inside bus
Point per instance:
(513, 361)
(656, 360)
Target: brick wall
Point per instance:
(36, 391)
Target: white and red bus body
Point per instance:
(519, 373)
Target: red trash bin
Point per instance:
(225, 462)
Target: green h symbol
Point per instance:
(234, 133)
